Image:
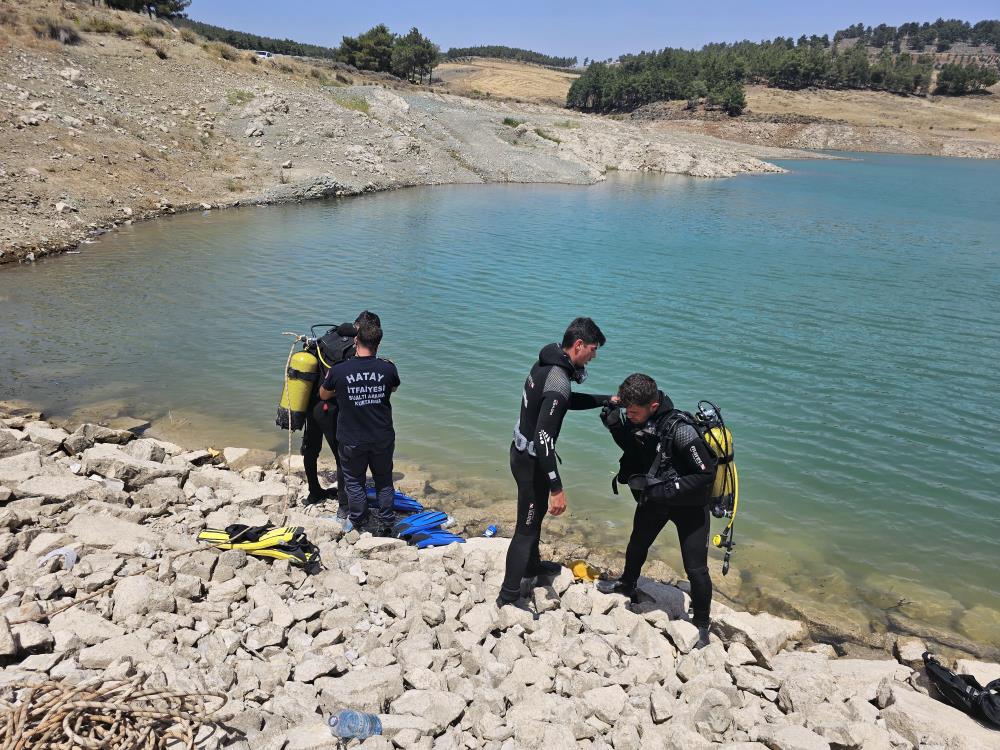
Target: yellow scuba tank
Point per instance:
(299, 384)
(720, 442)
(725, 497)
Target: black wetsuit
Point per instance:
(533, 462)
(683, 499)
(321, 420)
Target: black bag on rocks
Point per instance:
(964, 692)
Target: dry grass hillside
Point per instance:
(967, 117)
(967, 126)
(505, 79)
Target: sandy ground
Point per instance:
(505, 79)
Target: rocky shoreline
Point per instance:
(411, 635)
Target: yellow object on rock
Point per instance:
(583, 571)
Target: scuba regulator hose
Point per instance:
(725, 539)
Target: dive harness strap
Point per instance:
(522, 444)
(641, 483)
(309, 377)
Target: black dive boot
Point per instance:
(703, 636)
(625, 588)
(543, 568)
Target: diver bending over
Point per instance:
(670, 471)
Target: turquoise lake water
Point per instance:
(844, 316)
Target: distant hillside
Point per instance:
(243, 40)
(482, 77)
(885, 58)
(411, 56)
(941, 35)
(510, 53)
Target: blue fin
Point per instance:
(407, 504)
(419, 522)
(401, 502)
(437, 538)
(426, 526)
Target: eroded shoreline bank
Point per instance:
(106, 133)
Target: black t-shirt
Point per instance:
(363, 386)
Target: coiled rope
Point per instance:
(110, 715)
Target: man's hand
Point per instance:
(557, 503)
(611, 415)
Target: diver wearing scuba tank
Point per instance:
(670, 471)
(533, 462)
(321, 417)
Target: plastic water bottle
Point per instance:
(348, 724)
(491, 530)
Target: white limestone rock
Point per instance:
(439, 707)
(113, 462)
(926, 722)
(20, 467)
(57, 488)
(90, 628)
(683, 634)
(140, 595)
(606, 703)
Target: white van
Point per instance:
(264, 55)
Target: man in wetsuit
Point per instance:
(362, 386)
(321, 422)
(670, 471)
(544, 402)
(321, 416)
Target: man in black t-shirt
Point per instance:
(321, 416)
(362, 386)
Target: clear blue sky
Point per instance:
(585, 28)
